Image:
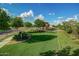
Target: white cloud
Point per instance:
(70, 18)
(60, 17)
(56, 22)
(40, 17)
(27, 14)
(76, 17)
(51, 14)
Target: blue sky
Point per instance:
(50, 12)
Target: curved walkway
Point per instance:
(5, 41)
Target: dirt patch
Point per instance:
(13, 42)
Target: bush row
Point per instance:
(64, 52)
(36, 31)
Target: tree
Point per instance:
(39, 23)
(28, 24)
(67, 27)
(74, 27)
(70, 26)
(4, 20)
(77, 27)
(17, 22)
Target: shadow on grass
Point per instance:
(40, 38)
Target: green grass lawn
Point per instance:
(40, 42)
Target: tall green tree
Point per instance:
(71, 26)
(4, 20)
(17, 22)
(67, 27)
(39, 23)
(28, 24)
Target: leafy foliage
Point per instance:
(22, 36)
(39, 23)
(28, 24)
(49, 53)
(67, 27)
(64, 52)
(76, 52)
(4, 19)
(36, 30)
(71, 26)
(17, 22)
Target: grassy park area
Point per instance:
(40, 42)
(38, 32)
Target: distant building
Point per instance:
(47, 25)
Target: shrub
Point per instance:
(68, 29)
(64, 52)
(22, 36)
(40, 30)
(36, 30)
(48, 53)
(76, 52)
(51, 29)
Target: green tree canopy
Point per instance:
(17, 22)
(28, 24)
(4, 19)
(39, 23)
